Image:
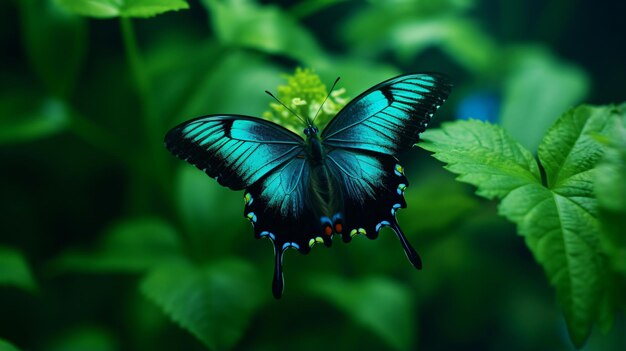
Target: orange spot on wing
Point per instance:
(328, 230)
(338, 227)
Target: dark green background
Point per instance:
(81, 160)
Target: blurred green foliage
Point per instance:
(7, 346)
(108, 243)
(121, 8)
(14, 270)
(215, 302)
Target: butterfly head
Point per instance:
(310, 131)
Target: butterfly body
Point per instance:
(343, 181)
(314, 148)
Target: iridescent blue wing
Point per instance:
(266, 160)
(235, 150)
(389, 117)
(365, 137)
(372, 190)
(280, 207)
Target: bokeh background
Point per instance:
(109, 243)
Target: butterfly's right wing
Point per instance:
(364, 139)
(235, 150)
(372, 190)
(389, 117)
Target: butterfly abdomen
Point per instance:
(325, 199)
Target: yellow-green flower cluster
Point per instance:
(304, 94)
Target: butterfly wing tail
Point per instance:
(410, 252)
(278, 283)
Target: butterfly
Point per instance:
(303, 190)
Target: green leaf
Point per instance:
(14, 270)
(558, 218)
(610, 188)
(569, 148)
(25, 117)
(7, 346)
(266, 28)
(215, 303)
(378, 304)
(55, 42)
(563, 237)
(483, 155)
(122, 8)
(537, 90)
(130, 246)
(566, 240)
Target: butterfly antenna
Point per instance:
(285, 106)
(326, 98)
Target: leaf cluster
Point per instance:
(555, 199)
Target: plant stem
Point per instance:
(153, 138)
(136, 66)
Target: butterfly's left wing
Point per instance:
(266, 160)
(389, 117)
(235, 150)
(280, 207)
